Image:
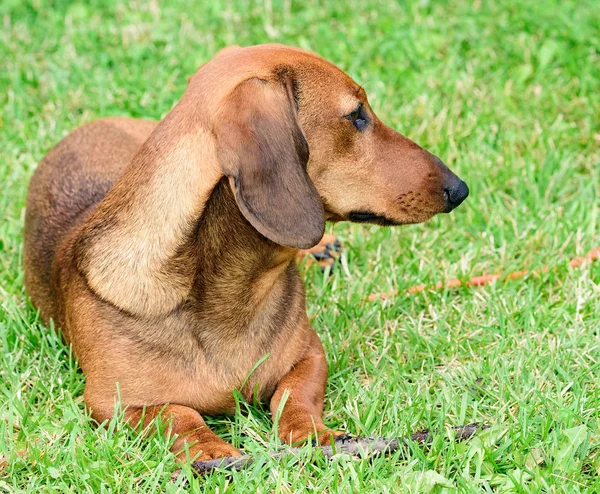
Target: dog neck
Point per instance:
(138, 248)
(235, 264)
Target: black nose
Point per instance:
(456, 194)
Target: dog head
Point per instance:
(300, 144)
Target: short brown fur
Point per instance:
(165, 250)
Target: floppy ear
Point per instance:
(262, 150)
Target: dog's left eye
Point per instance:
(358, 118)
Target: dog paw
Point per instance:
(209, 451)
(325, 253)
(328, 436)
(317, 434)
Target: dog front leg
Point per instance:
(183, 422)
(304, 385)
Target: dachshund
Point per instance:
(164, 251)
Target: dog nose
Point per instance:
(455, 194)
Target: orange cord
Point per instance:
(487, 278)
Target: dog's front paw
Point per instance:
(210, 450)
(325, 252)
(328, 437)
(298, 433)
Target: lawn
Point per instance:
(507, 93)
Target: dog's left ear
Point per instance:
(262, 150)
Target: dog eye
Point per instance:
(358, 118)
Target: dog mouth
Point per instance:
(368, 217)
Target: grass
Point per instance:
(505, 92)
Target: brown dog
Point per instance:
(165, 251)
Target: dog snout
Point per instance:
(455, 192)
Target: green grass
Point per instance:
(507, 93)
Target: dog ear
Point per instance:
(262, 150)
